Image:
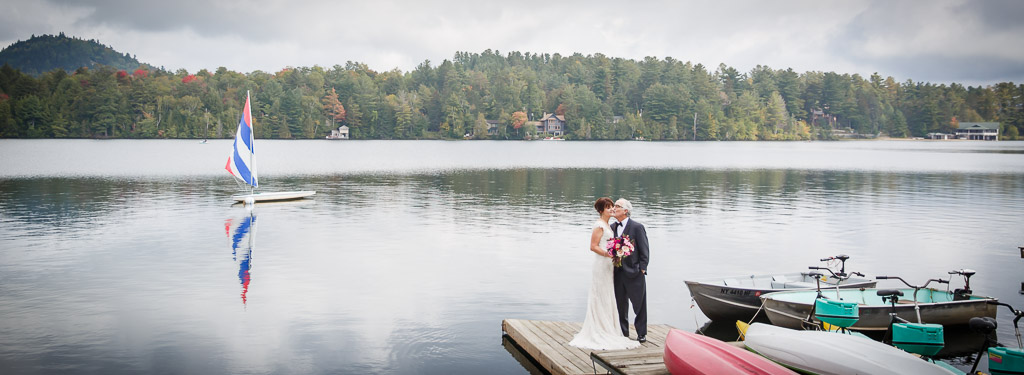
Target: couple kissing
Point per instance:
(619, 272)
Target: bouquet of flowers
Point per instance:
(618, 248)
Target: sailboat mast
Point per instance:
(252, 137)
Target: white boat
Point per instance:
(820, 352)
(274, 196)
(242, 164)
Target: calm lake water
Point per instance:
(127, 256)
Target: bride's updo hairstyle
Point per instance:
(602, 204)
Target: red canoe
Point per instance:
(688, 353)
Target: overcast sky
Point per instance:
(975, 42)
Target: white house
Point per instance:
(341, 133)
(980, 131)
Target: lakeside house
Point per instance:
(978, 131)
(340, 133)
(551, 124)
(492, 127)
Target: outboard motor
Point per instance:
(842, 261)
(964, 293)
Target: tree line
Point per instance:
(491, 95)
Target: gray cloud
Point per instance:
(206, 18)
(994, 15)
(917, 40)
(939, 41)
(965, 70)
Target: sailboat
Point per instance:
(242, 164)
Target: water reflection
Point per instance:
(522, 357)
(440, 258)
(242, 232)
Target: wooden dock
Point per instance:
(547, 343)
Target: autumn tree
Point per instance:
(517, 119)
(335, 111)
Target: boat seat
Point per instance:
(780, 278)
(799, 284)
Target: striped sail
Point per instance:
(241, 162)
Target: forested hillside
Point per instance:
(40, 54)
(601, 97)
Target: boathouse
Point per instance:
(978, 131)
(341, 133)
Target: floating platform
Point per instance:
(547, 344)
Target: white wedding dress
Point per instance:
(601, 329)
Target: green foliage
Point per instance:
(600, 97)
(44, 53)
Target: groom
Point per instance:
(630, 279)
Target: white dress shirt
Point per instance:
(621, 227)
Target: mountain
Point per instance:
(44, 53)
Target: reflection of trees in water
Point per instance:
(64, 202)
(70, 201)
(481, 194)
(692, 187)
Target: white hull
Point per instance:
(820, 352)
(273, 196)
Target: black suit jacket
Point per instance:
(636, 262)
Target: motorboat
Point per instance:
(739, 297)
(792, 309)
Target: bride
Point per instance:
(601, 329)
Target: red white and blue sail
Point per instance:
(241, 163)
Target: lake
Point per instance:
(127, 256)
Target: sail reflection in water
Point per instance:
(242, 232)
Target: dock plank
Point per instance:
(547, 343)
(542, 347)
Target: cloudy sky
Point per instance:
(973, 42)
